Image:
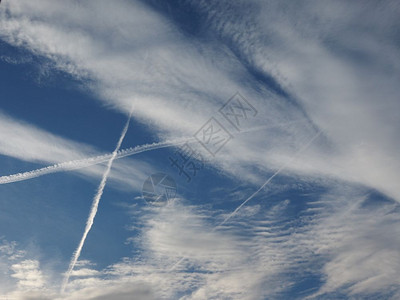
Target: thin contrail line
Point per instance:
(95, 204)
(86, 162)
(301, 150)
(305, 147)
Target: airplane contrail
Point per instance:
(95, 205)
(86, 162)
(305, 147)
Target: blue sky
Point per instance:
(277, 120)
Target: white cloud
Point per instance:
(28, 274)
(27, 142)
(362, 245)
(350, 245)
(84, 272)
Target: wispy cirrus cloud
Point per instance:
(328, 57)
(340, 102)
(342, 240)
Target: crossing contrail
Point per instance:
(95, 205)
(86, 162)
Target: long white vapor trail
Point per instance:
(86, 162)
(90, 161)
(95, 205)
